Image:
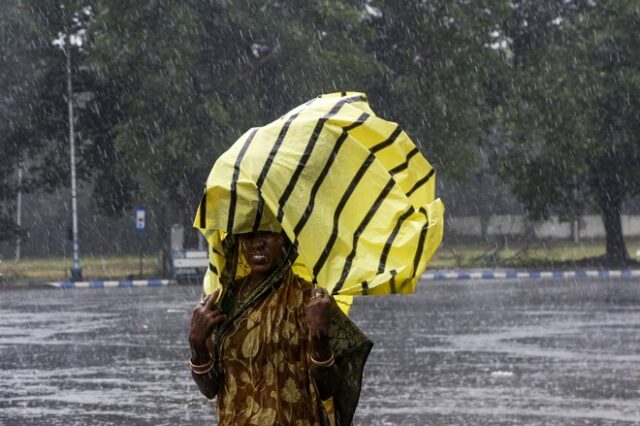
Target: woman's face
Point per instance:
(263, 250)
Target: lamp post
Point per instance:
(76, 270)
(19, 213)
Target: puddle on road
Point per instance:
(448, 355)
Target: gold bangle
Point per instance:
(323, 364)
(202, 368)
(196, 366)
(202, 373)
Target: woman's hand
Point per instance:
(319, 319)
(317, 311)
(204, 321)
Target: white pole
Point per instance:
(576, 218)
(19, 212)
(76, 271)
(200, 241)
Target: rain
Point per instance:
(112, 115)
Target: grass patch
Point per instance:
(98, 267)
(540, 254)
(524, 254)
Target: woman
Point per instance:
(271, 347)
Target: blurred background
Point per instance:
(529, 111)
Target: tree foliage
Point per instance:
(575, 110)
(193, 76)
(544, 91)
(441, 71)
(34, 105)
(18, 60)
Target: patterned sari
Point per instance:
(266, 377)
(262, 358)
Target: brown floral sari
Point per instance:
(262, 356)
(266, 378)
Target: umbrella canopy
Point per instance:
(349, 189)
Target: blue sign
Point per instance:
(141, 222)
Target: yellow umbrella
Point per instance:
(350, 189)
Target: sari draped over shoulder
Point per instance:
(263, 362)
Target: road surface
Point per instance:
(529, 352)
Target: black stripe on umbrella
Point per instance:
(336, 216)
(308, 150)
(403, 284)
(213, 269)
(234, 181)
(325, 170)
(405, 164)
(305, 175)
(423, 237)
(389, 141)
(356, 235)
(203, 210)
(359, 122)
(267, 166)
(392, 281)
(387, 246)
(421, 182)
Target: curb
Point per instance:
(491, 275)
(433, 276)
(110, 284)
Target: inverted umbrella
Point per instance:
(350, 190)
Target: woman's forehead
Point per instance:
(259, 234)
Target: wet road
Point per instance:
(484, 352)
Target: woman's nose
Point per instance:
(256, 242)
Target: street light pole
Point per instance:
(76, 270)
(19, 213)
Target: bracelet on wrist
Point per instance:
(201, 368)
(329, 362)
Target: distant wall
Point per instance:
(591, 226)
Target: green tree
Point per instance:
(576, 111)
(20, 80)
(34, 106)
(442, 65)
(192, 76)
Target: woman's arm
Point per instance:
(322, 362)
(207, 381)
(204, 320)
(326, 377)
